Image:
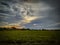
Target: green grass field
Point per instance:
(27, 37)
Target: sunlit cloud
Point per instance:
(28, 19)
(18, 14)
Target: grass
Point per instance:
(27, 37)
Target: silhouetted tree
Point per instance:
(13, 28)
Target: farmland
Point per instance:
(29, 37)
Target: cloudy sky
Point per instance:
(34, 14)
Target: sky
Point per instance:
(33, 14)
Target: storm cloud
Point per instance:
(34, 14)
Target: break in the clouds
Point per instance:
(34, 14)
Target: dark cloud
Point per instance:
(49, 10)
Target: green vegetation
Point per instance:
(29, 37)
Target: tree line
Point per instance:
(13, 28)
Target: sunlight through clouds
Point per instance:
(20, 13)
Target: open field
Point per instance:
(29, 37)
